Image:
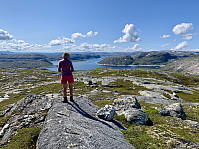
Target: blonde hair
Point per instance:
(66, 55)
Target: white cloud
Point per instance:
(187, 37)
(130, 34)
(164, 45)
(19, 45)
(79, 35)
(182, 28)
(195, 50)
(91, 33)
(181, 46)
(136, 47)
(61, 41)
(4, 35)
(165, 36)
(85, 47)
(55, 42)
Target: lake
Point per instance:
(92, 64)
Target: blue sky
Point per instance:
(99, 25)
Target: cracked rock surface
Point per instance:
(75, 125)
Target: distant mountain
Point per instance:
(119, 60)
(82, 56)
(147, 58)
(188, 65)
(22, 56)
(152, 58)
(23, 61)
(6, 52)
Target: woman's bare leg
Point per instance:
(71, 89)
(65, 90)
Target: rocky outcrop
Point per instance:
(28, 112)
(124, 104)
(138, 117)
(131, 109)
(106, 113)
(174, 110)
(188, 65)
(75, 125)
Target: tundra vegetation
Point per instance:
(102, 86)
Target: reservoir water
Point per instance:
(92, 64)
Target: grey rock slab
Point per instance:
(28, 112)
(75, 125)
(157, 100)
(151, 94)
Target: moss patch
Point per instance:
(102, 103)
(25, 138)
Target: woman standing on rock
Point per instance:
(66, 67)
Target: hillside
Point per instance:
(188, 65)
(74, 56)
(30, 105)
(147, 58)
(119, 60)
(23, 61)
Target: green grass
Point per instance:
(47, 89)
(4, 120)
(167, 95)
(126, 87)
(187, 80)
(102, 103)
(25, 139)
(137, 136)
(12, 99)
(191, 113)
(189, 97)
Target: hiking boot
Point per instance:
(65, 100)
(71, 98)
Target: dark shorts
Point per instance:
(65, 79)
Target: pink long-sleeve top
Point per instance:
(66, 67)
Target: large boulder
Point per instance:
(130, 107)
(174, 110)
(76, 126)
(124, 104)
(138, 117)
(106, 113)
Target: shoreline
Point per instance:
(133, 65)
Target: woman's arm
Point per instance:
(71, 67)
(59, 67)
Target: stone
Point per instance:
(130, 107)
(106, 113)
(75, 125)
(123, 104)
(138, 117)
(6, 126)
(174, 110)
(164, 112)
(175, 95)
(90, 82)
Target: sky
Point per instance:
(99, 25)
